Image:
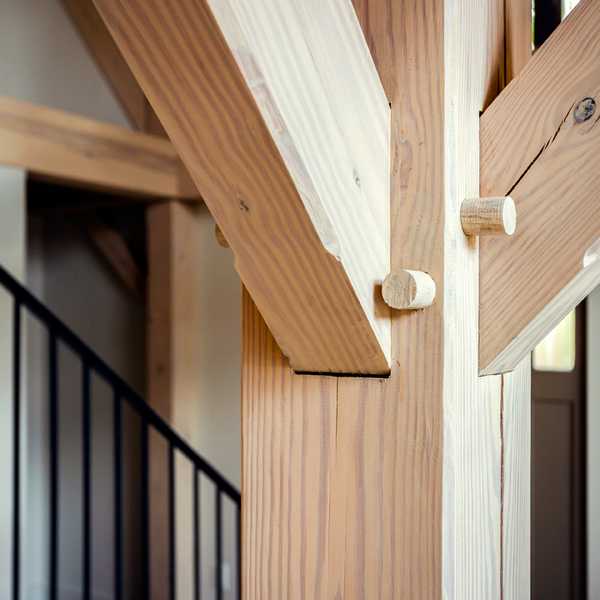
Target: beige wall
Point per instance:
(42, 60)
(12, 257)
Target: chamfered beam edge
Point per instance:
(279, 115)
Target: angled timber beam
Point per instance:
(71, 149)
(278, 112)
(540, 143)
(111, 245)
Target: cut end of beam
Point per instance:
(408, 290)
(489, 216)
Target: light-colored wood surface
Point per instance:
(113, 248)
(516, 483)
(516, 391)
(408, 290)
(298, 182)
(289, 453)
(174, 249)
(400, 498)
(174, 328)
(533, 148)
(488, 216)
(471, 523)
(81, 151)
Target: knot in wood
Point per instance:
(584, 110)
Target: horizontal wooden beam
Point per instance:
(80, 151)
(277, 110)
(539, 143)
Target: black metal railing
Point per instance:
(150, 423)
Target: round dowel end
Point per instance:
(509, 216)
(489, 216)
(408, 290)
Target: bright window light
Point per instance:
(557, 351)
(568, 6)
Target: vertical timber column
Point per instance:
(516, 386)
(173, 340)
(392, 488)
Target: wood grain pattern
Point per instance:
(174, 326)
(298, 182)
(533, 148)
(516, 481)
(81, 151)
(288, 431)
(488, 216)
(516, 393)
(471, 531)
(409, 488)
(408, 289)
(174, 249)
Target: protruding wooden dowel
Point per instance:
(221, 239)
(408, 290)
(488, 216)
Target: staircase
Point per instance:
(157, 446)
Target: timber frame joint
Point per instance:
(537, 139)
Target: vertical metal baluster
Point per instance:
(145, 513)
(218, 544)
(172, 524)
(87, 481)
(197, 565)
(118, 483)
(54, 465)
(16, 558)
(238, 556)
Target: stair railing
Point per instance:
(150, 421)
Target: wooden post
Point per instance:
(516, 386)
(393, 488)
(173, 340)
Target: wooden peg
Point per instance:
(408, 290)
(488, 216)
(221, 240)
